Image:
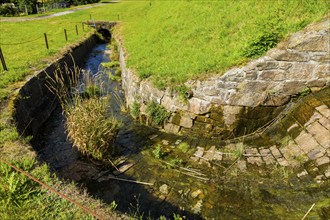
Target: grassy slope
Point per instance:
(178, 40)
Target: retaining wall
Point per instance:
(244, 98)
(35, 102)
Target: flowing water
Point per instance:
(177, 183)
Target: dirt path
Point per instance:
(16, 19)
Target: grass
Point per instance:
(172, 41)
(22, 198)
(90, 126)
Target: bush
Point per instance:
(90, 127)
(135, 111)
(268, 38)
(8, 10)
(157, 114)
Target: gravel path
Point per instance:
(16, 19)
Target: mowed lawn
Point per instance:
(168, 41)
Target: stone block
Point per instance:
(241, 164)
(272, 75)
(172, 128)
(186, 122)
(324, 110)
(306, 142)
(283, 162)
(301, 72)
(325, 122)
(322, 71)
(288, 55)
(198, 106)
(320, 133)
(310, 42)
(323, 160)
(175, 119)
(231, 114)
(268, 65)
(255, 160)
(316, 116)
(316, 153)
(276, 153)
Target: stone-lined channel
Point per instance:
(208, 188)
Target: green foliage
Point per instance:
(305, 91)
(22, 198)
(135, 111)
(89, 125)
(183, 147)
(182, 90)
(8, 10)
(92, 91)
(270, 33)
(111, 64)
(158, 152)
(91, 128)
(156, 113)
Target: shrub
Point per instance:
(135, 111)
(90, 127)
(270, 34)
(157, 114)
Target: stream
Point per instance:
(178, 183)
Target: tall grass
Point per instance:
(90, 126)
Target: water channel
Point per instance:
(177, 183)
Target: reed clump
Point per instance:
(90, 125)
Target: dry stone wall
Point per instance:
(244, 98)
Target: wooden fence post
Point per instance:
(65, 34)
(83, 27)
(46, 41)
(77, 30)
(3, 61)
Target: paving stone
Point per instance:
(210, 153)
(316, 153)
(306, 142)
(276, 153)
(177, 142)
(325, 122)
(322, 161)
(198, 154)
(324, 110)
(294, 148)
(165, 142)
(327, 172)
(269, 159)
(316, 116)
(217, 155)
(302, 174)
(254, 160)
(283, 162)
(264, 152)
(321, 134)
(241, 164)
(287, 154)
(251, 151)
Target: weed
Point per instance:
(305, 91)
(184, 147)
(156, 113)
(111, 64)
(178, 217)
(89, 125)
(158, 152)
(238, 151)
(182, 90)
(135, 111)
(91, 128)
(270, 34)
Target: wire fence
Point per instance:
(44, 40)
